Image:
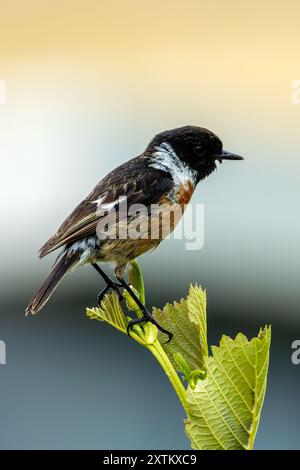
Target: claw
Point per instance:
(110, 284)
(114, 286)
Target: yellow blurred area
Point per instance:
(176, 45)
(220, 58)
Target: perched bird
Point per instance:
(164, 175)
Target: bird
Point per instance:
(165, 175)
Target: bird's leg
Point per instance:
(146, 314)
(110, 284)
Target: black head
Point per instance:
(196, 146)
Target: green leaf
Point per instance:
(130, 302)
(187, 321)
(225, 391)
(188, 375)
(137, 285)
(182, 365)
(136, 280)
(194, 376)
(110, 312)
(197, 314)
(224, 409)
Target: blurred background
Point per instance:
(88, 85)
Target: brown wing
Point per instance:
(134, 179)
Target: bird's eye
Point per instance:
(199, 151)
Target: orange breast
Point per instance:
(172, 208)
(185, 193)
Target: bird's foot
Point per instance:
(110, 285)
(148, 318)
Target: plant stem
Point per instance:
(165, 363)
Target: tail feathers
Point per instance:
(63, 265)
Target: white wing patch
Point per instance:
(99, 200)
(109, 205)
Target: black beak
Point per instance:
(228, 156)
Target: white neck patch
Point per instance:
(166, 159)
